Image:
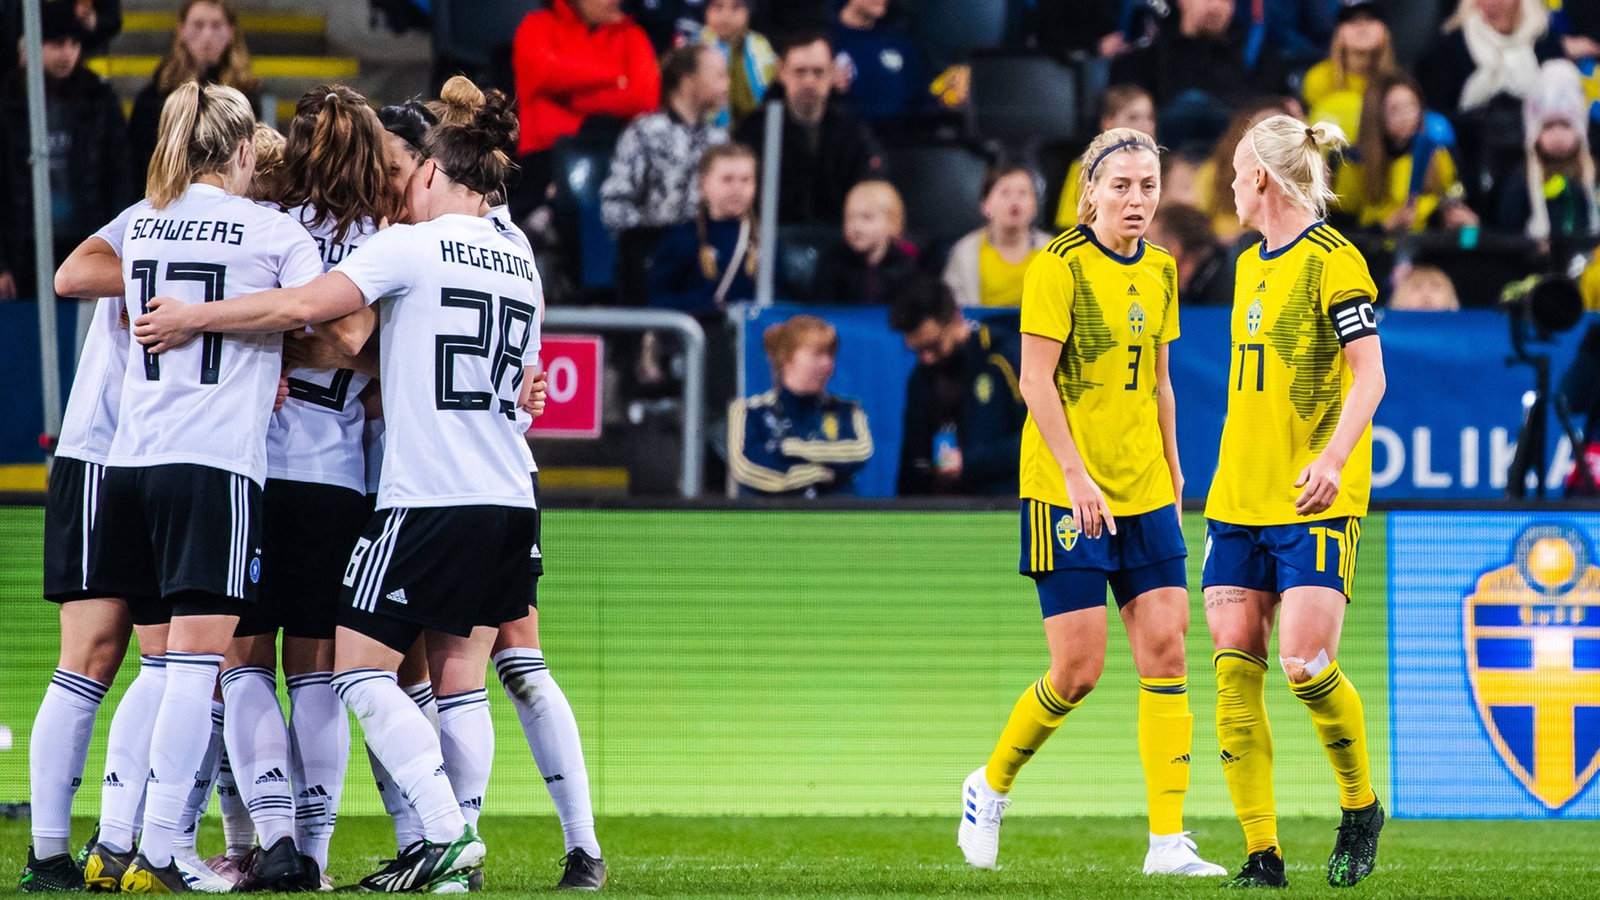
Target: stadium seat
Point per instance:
(580, 166)
(466, 32)
(948, 30)
(942, 185)
(1020, 99)
(800, 248)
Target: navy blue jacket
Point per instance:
(989, 430)
(783, 444)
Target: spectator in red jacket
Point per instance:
(573, 60)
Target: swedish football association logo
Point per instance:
(1532, 635)
(1066, 534)
(1136, 320)
(1252, 317)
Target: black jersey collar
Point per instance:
(1261, 248)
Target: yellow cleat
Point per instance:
(143, 878)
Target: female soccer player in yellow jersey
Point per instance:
(1293, 475)
(1099, 484)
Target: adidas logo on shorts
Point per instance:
(113, 781)
(271, 775)
(398, 596)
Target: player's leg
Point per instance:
(407, 824)
(1241, 606)
(257, 739)
(1316, 563)
(94, 638)
(466, 729)
(185, 850)
(1154, 603)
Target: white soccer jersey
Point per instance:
(500, 217)
(458, 314)
(90, 421)
(206, 403)
(316, 436)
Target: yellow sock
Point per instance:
(1245, 739)
(1342, 727)
(1166, 734)
(1037, 715)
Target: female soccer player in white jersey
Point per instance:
(314, 501)
(1100, 484)
(449, 546)
(1293, 475)
(94, 626)
(542, 708)
(179, 516)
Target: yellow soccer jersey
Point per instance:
(1293, 311)
(1110, 313)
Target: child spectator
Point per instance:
(1376, 187)
(874, 259)
(1425, 289)
(89, 177)
(209, 47)
(703, 265)
(985, 267)
(1361, 50)
(826, 150)
(574, 60)
(1205, 274)
(879, 67)
(1121, 106)
(1558, 168)
(751, 62)
(797, 439)
(652, 182)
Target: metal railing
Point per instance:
(566, 318)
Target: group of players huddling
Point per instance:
(227, 469)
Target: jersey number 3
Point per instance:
(212, 278)
(511, 335)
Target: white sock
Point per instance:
(407, 824)
(466, 740)
(57, 748)
(421, 694)
(319, 751)
(258, 747)
(200, 794)
(175, 754)
(552, 734)
(238, 831)
(400, 735)
(128, 754)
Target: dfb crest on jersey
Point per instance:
(1252, 317)
(1532, 635)
(1136, 320)
(1066, 532)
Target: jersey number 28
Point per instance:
(511, 335)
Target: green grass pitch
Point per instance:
(786, 703)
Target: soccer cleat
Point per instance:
(1176, 854)
(1355, 852)
(982, 807)
(1263, 869)
(143, 878)
(103, 868)
(83, 853)
(468, 882)
(198, 876)
(231, 868)
(581, 872)
(51, 875)
(425, 864)
(278, 868)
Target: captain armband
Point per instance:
(1353, 319)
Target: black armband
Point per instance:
(1352, 319)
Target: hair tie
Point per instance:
(331, 96)
(1112, 149)
(1312, 134)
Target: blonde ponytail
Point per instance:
(201, 129)
(1113, 140)
(1295, 157)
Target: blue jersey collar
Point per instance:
(1261, 248)
(1138, 254)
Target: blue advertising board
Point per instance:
(1447, 428)
(1494, 665)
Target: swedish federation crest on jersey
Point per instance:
(1135, 320)
(1253, 316)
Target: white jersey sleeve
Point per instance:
(458, 315)
(206, 403)
(90, 420)
(316, 436)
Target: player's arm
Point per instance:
(171, 323)
(350, 333)
(92, 269)
(1321, 478)
(1040, 356)
(1167, 420)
